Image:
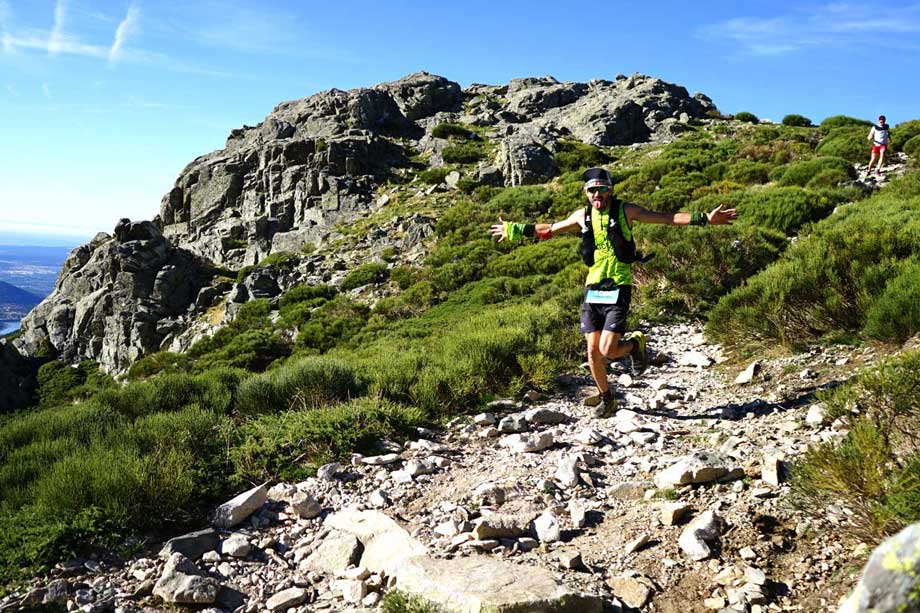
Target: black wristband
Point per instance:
(529, 230)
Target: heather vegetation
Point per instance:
(323, 371)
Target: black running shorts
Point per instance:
(610, 317)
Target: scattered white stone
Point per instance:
(485, 419)
(545, 417)
(636, 544)
(695, 358)
(513, 423)
(183, 582)
(304, 505)
(748, 374)
(570, 559)
(489, 494)
(567, 472)
(328, 472)
(237, 546)
(380, 460)
(747, 554)
(816, 415)
(353, 592)
(772, 468)
(694, 539)
(672, 512)
(755, 576)
(379, 499)
(528, 443)
(577, 513)
(588, 436)
(285, 599)
(547, 528)
(625, 380)
(240, 507)
(698, 467)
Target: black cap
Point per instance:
(597, 176)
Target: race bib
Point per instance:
(596, 296)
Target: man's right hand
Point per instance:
(499, 230)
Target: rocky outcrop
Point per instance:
(889, 579)
(117, 298)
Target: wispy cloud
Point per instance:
(12, 91)
(836, 24)
(55, 40)
(46, 90)
(126, 28)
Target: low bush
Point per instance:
(749, 172)
(903, 132)
(307, 383)
(895, 315)
(574, 156)
(875, 469)
(800, 173)
(848, 143)
(335, 322)
(912, 146)
(693, 267)
(281, 260)
(372, 272)
(747, 117)
(288, 445)
(843, 121)
(463, 153)
(786, 209)
(796, 121)
(830, 280)
(434, 176)
(447, 130)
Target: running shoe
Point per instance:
(638, 357)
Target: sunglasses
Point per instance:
(599, 189)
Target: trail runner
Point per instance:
(879, 135)
(607, 247)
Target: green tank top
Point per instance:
(606, 265)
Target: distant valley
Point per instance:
(27, 275)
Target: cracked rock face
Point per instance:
(115, 297)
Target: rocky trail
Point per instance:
(677, 503)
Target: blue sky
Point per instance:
(103, 102)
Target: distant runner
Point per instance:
(879, 135)
(607, 247)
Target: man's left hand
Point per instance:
(722, 217)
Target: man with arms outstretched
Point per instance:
(607, 247)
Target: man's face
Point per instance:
(881, 121)
(598, 196)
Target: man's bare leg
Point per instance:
(871, 162)
(596, 361)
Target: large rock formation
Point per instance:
(117, 298)
(311, 165)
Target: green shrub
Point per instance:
(693, 267)
(848, 143)
(281, 260)
(335, 322)
(895, 315)
(577, 156)
(903, 132)
(912, 146)
(463, 153)
(420, 296)
(155, 363)
(843, 121)
(55, 381)
(372, 272)
(828, 178)
(828, 281)
(288, 445)
(306, 383)
(800, 173)
(875, 470)
(434, 176)
(252, 350)
(785, 209)
(446, 130)
(404, 276)
(747, 117)
(306, 293)
(544, 258)
(796, 121)
(749, 172)
(467, 186)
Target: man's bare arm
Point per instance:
(718, 216)
(543, 230)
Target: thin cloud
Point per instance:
(838, 24)
(46, 90)
(64, 45)
(57, 31)
(11, 89)
(126, 28)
